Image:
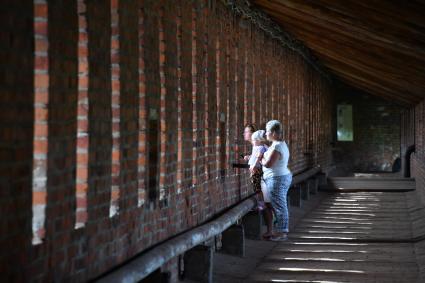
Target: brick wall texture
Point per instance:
(413, 132)
(376, 131)
(119, 122)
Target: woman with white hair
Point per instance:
(277, 177)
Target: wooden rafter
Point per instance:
(377, 46)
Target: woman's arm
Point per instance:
(275, 155)
(256, 162)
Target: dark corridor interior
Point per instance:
(121, 122)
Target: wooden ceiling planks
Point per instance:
(373, 87)
(384, 94)
(399, 60)
(375, 45)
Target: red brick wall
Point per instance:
(82, 118)
(407, 132)
(413, 132)
(41, 114)
(142, 105)
(376, 131)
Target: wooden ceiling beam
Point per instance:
(382, 76)
(396, 33)
(373, 87)
(336, 65)
(369, 53)
(373, 92)
(370, 69)
(378, 72)
(372, 45)
(407, 14)
(282, 12)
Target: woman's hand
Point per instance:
(253, 170)
(246, 157)
(274, 156)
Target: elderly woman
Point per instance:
(277, 177)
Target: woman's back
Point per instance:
(280, 167)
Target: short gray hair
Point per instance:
(274, 126)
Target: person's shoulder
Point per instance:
(283, 143)
(280, 145)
